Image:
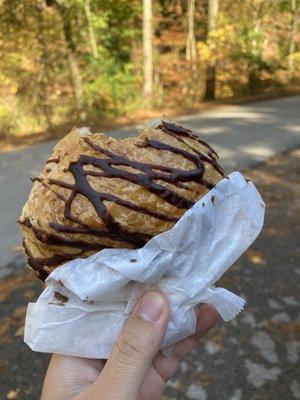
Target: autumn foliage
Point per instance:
(70, 60)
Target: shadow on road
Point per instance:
(243, 136)
(253, 357)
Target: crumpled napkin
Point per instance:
(86, 301)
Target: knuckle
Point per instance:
(155, 392)
(131, 345)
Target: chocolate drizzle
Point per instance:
(38, 264)
(56, 240)
(60, 297)
(53, 160)
(108, 165)
(181, 131)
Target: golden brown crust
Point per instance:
(47, 227)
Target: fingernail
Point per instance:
(205, 322)
(150, 307)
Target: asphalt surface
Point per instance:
(243, 135)
(254, 357)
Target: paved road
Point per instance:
(254, 357)
(243, 135)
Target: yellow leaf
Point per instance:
(256, 257)
(13, 394)
(203, 51)
(20, 332)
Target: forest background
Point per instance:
(109, 62)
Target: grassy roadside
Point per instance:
(25, 139)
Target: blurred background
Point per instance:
(103, 62)
(228, 70)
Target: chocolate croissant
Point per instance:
(97, 192)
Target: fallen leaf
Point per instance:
(256, 257)
(9, 284)
(29, 294)
(20, 332)
(271, 231)
(206, 380)
(5, 324)
(3, 365)
(19, 312)
(13, 394)
(292, 330)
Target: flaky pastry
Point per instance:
(97, 192)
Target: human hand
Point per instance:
(135, 369)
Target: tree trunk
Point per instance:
(73, 63)
(72, 57)
(91, 28)
(190, 41)
(213, 11)
(43, 78)
(147, 52)
(292, 45)
(255, 47)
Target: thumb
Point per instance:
(137, 345)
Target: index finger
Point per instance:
(207, 317)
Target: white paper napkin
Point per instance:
(86, 301)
